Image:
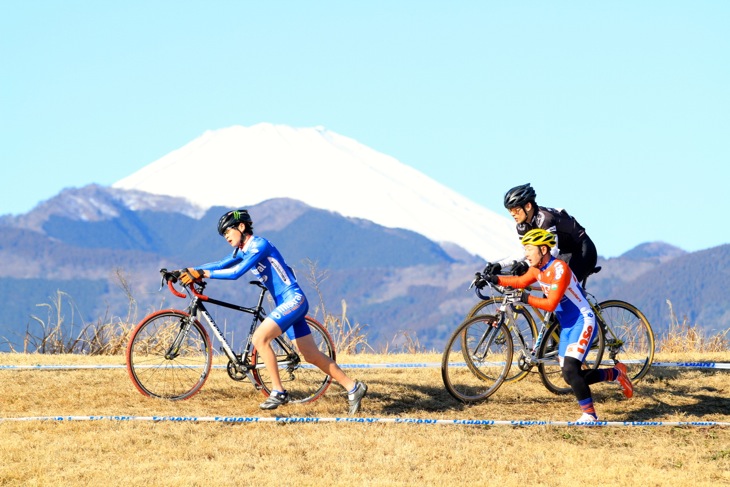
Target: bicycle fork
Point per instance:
(491, 335)
(174, 349)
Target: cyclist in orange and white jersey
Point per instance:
(565, 297)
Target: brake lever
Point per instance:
(477, 275)
(167, 276)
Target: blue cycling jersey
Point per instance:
(264, 260)
(260, 257)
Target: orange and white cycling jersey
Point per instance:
(564, 296)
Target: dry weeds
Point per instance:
(126, 453)
(681, 337)
(166, 453)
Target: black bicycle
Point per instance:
(169, 354)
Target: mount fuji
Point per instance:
(242, 166)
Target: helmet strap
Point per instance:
(529, 215)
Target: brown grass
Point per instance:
(166, 453)
(681, 337)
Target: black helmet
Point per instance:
(519, 196)
(233, 218)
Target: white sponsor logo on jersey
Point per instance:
(279, 270)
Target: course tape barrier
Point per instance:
(693, 365)
(294, 419)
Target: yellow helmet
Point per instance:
(538, 236)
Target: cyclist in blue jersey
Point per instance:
(564, 296)
(258, 255)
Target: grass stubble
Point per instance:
(204, 453)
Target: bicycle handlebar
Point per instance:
(496, 287)
(195, 288)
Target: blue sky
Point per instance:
(617, 111)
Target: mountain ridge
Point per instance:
(392, 280)
(406, 266)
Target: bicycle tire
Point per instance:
(523, 337)
(488, 351)
(304, 382)
(551, 373)
(629, 337)
(154, 372)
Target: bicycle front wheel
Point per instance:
(169, 355)
(303, 381)
(629, 337)
(551, 373)
(476, 359)
(521, 325)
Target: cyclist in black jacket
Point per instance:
(574, 246)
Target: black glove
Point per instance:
(493, 268)
(481, 280)
(189, 275)
(171, 275)
(520, 268)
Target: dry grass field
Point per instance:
(110, 452)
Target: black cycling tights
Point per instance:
(579, 379)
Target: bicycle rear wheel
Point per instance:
(169, 355)
(520, 323)
(629, 337)
(303, 381)
(551, 373)
(477, 359)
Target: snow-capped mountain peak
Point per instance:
(240, 166)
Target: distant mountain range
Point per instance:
(104, 256)
(361, 229)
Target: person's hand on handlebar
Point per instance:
(190, 275)
(481, 280)
(519, 268)
(169, 275)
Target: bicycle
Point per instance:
(625, 329)
(479, 353)
(169, 354)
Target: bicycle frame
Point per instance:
(240, 362)
(170, 352)
(622, 329)
(612, 342)
(528, 358)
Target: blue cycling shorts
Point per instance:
(289, 315)
(576, 341)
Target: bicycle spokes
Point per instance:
(305, 382)
(629, 337)
(169, 355)
(477, 359)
